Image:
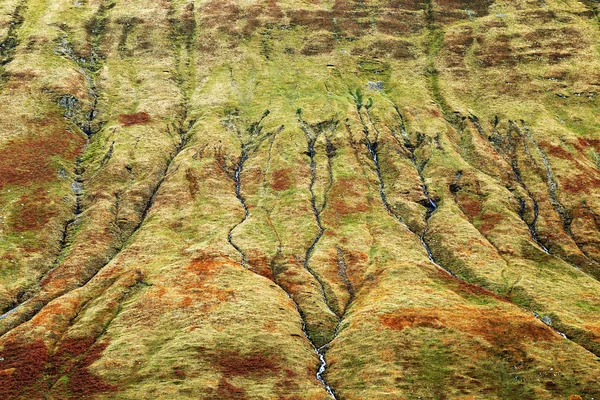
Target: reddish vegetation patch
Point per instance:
(501, 329)
(489, 221)
(134, 119)
(396, 49)
(585, 143)
(26, 369)
(179, 373)
(399, 22)
(221, 14)
(509, 331)
(35, 212)
(82, 382)
(282, 179)
(204, 266)
(464, 288)
(233, 363)
(192, 181)
(457, 44)
(556, 151)
(259, 263)
(200, 273)
(475, 290)
(346, 199)
(226, 391)
(411, 319)
(21, 368)
(470, 204)
(321, 44)
(480, 7)
(582, 182)
(27, 161)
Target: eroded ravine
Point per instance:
(508, 153)
(371, 146)
(312, 134)
(250, 140)
(9, 44)
(83, 120)
(88, 122)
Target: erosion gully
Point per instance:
(430, 210)
(509, 155)
(431, 207)
(249, 146)
(9, 44)
(250, 140)
(311, 138)
(88, 66)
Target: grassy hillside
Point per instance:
(389, 199)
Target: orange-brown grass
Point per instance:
(221, 14)
(396, 22)
(586, 143)
(499, 328)
(36, 212)
(28, 160)
(396, 49)
(134, 119)
(258, 262)
(28, 368)
(583, 182)
(82, 383)
(469, 204)
(479, 6)
(343, 195)
(193, 186)
(226, 391)
(232, 363)
(200, 275)
(556, 151)
(321, 44)
(282, 179)
(463, 288)
(489, 221)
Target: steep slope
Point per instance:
(299, 200)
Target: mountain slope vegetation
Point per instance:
(277, 199)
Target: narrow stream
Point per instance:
(317, 213)
(238, 195)
(311, 140)
(372, 148)
(238, 185)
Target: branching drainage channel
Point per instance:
(89, 65)
(250, 141)
(311, 138)
(372, 148)
(508, 153)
